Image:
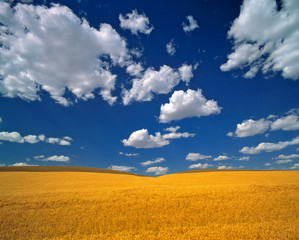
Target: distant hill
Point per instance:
(61, 169)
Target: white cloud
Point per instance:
(282, 156)
(244, 158)
(187, 104)
(122, 168)
(135, 23)
(221, 158)
(57, 52)
(172, 129)
(283, 161)
(21, 164)
(226, 167)
(197, 156)
(39, 157)
(191, 24)
(142, 139)
(157, 170)
(265, 38)
(251, 127)
(186, 72)
(288, 123)
(129, 154)
(16, 137)
(295, 166)
(268, 164)
(56, 158)
(269, 147)
(154, 82)
(178, 135)
(200, 165)
(157, 160)
(135, 69)
(230, 134)
(11, 137)
(171, 47)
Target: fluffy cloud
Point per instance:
(265, 38)
(157, 160)
(129, 154)
(196, 156)
(51, 49)
(200, 165)
(225, 167)
(191, 24)
(21, 164)
(155, 82)
(17, 138)
(295, 166)
(56, 158)
(269, 147)
(174, 134)
(135, 69)
(283, 161)
(171, 47)
(122, 168)
(244, 158)
(221, 158)
(142, 139)
(187, 104)
(251, 127)
(288, 123)
(135, 23)
(157, 170)
(282, 156)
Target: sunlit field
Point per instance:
(203, 205)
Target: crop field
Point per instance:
(197, 205)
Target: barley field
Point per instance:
(196, 205)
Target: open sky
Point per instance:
(150, 87)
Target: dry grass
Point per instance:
(207, 205)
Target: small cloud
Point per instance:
(200, 165)
(142, 139)
(53, 158)
(197, 156)
(226, 167)
(221, 158)
(191, 24)
(282, 156)
(295, 166)
(135, 23)
(283, 161)
(230, 134)
(122, 168)
(268, 164)
(157, 170)
(129, 154)
(171, 47)
(21, 164)
(244, 158)
(157, 160)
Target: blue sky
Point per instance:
(150, 87)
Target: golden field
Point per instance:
(199, 205)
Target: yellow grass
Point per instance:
(206, 205)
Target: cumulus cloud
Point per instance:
(282, 156)
(135, 69)
(142, 139)
(155, 82)
(21, 164)
(251, 127)
(225, 167)
(221, 158)
(129, 154)
(174, 134)
(288, 123)
(122, 168)
(135, 23)
(53, 50)
(171, 47)
(295, 166)
(54, 158)
(197, 156)
(191, 24)
(283, 161)
(265, 38)
(157, 160)
(200, 165)
(17, 138)
(186, 72)
(244, 158)
(157, 170)
(187, 104)
(269, 147)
